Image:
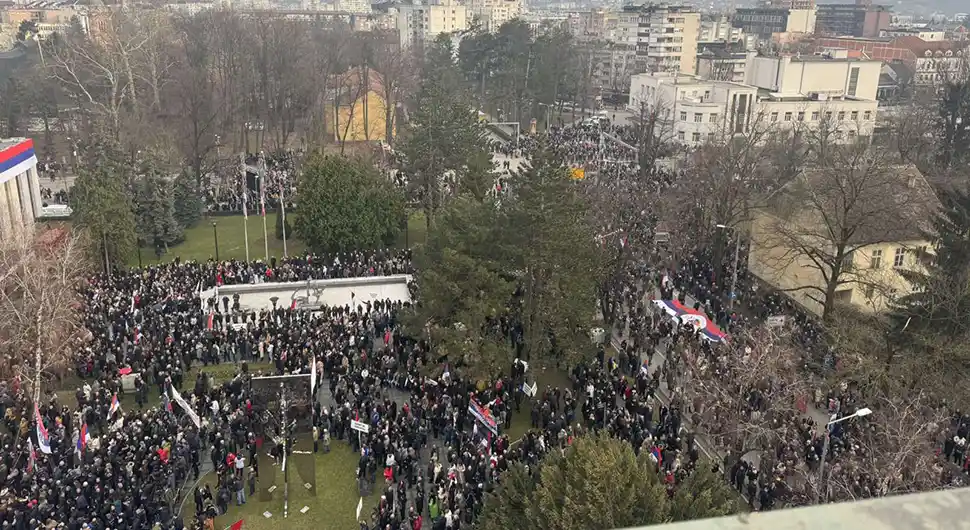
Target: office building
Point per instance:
(20, 201)
(852, 20)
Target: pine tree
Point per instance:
(188, 201)
(102, 207)
(155, 208)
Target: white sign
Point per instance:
(238, 325)
(776, 321)
(128, 383)
(530, 390)
(359, 426)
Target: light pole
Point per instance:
(821, 493)
(215, 237)
(734, 268)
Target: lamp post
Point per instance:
(734, 268)
(821, 493)
(215, 236)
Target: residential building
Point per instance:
(613, 64)
(666, 37)
(491, 14)
(419, 23)
(357, 108)
(807, 92)
(625, 28)
(878, 249)
(718, 28)
(695, 110)
(853, 20)
(766, 22)
(20, 200)
(722, 64)
(930, 61)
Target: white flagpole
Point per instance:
(242, 169)
(262, 200)
(283, 214)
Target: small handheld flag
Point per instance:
(115, 405)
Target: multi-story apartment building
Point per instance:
(491, 14)
(722, 64)
(666, 37)
(718, 28)
(419, 23)
(767, 22)
(791, 4)
(853, 20)
(783, 94)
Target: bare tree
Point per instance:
(40, 314)
(394, 69)
(813, 236)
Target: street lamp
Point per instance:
(864, 411)
(734, 271)
(215, 236)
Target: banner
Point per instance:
(483, 415)
(186, 407)
(577, 173)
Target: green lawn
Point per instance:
(332, 508)
(200, 240)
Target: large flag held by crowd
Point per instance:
(43, 438)
(690, 316)
(186, 407)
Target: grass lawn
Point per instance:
(220, 373)
(200, 240)
(333, 507)
(544, 378)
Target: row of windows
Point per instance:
(867, 115)
(699, 117)
(695, 137)
(875, 257)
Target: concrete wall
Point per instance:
(313, 294)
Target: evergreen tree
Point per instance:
(188, 201)
(599, 483)
(346, 204)
(547, 237)
(445, 149)
(102, 208)
(155, 209)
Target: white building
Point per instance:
(20, 201)
(719, 64)
(491, 14)
(781, 93)
(694, 110)
(418, 23)
(718, 29)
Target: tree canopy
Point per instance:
(345, 204)
(598, 482)
(102, 208)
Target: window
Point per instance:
(853, 80)
(899, 258)
(774, 116)
(683, 116)
(870, 292)
(710, 137)
(867, 115)
(713, 118)
(875, 260)
(815, 116)
(855, 115)
(848, 261)
(788, 116)
(680, 135)
(841, 115)
(698, 117)
(801, 116)
(696, 137)
(828, 115)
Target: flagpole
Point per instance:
(242, 170)
(262, 201)
(283, 214)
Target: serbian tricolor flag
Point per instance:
(31, 456)
(235, 526)
(657, 454)
(690, 316)
(115, 405)
(43, 439)
(82, 439)
(166, 401)
(208, 322)
(293, 305)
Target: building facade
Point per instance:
(722, 64)
(852, 20)
(419, 23)
(491, 14)
(666, 37)
(20, 200)
(766, 22)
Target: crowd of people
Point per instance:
(228, 190)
